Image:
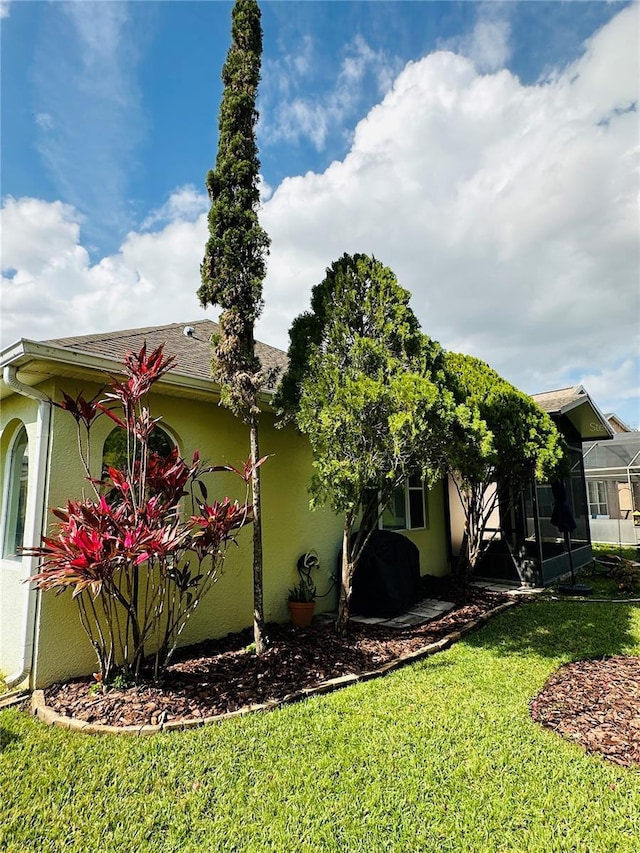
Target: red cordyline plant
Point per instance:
(137, 561)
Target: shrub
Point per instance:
(137, 563)
(626, 574)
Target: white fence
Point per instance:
(614, 530)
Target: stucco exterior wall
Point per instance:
(457, 518)
(432, 541)
(289, 527)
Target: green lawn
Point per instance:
(439, 756)
(628, 552)
(599, 577)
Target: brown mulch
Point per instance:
(220, 676)
(597, 704)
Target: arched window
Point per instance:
(16, 496)
(114, 452)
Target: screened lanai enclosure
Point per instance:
(524, 546)
(612, 470)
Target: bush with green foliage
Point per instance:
(521, 444)
(367, 388)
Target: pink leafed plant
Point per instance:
(137, 560)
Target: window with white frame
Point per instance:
(407, 509)
(15, 497)
(597, 490)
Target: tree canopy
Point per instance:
(521, 443)
(366, 386)
(234, 264)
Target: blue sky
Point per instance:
(485, 151)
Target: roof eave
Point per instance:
(25, 351)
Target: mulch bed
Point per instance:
(597, 704)
(220, 676)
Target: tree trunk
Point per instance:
(471, 547)
(346, 584)
(258, 606)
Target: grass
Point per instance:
(439, 756)
(598, 576)
(627, 552)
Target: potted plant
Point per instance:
(302, 597)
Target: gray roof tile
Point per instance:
(555, 401)
(192, 352)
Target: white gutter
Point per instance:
(24, 351)
(35, 517)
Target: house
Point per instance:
(612, 471)
(525, 546)
(41, 638)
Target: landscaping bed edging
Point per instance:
(47, 715)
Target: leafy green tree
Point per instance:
(491, 468)
(234, 264)
(367, 388)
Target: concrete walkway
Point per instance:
(423, 611)
(507, 588)
(432, 608)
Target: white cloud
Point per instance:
(4, 8)
(314, 117)
(184, 204)
(266, 190)
(286, 71)
(487, 45)
(616, 386)
(509, 211)
(152, 279)
(45, 121)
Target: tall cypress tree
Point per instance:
(234, 264)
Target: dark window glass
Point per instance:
(416, 508)
(114, 453)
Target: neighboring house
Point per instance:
(612, 470)
(525, 547)
(40, 633)
(617, 424)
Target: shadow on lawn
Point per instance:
(574, 629)
(7, 738)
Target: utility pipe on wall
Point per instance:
(35, 515)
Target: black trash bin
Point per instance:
(386, 581)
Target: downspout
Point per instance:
(33, 533)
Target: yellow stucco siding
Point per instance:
(432, 541)
(289, 527)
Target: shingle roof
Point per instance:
(192, 352)
(575, 404)
(555, 401)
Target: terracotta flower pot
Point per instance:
(301, 613)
